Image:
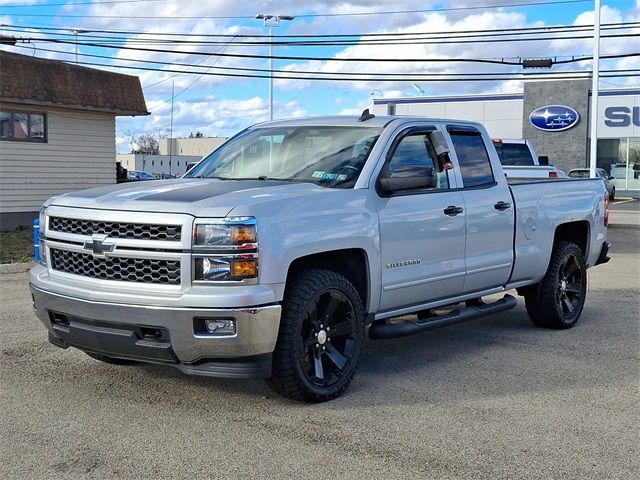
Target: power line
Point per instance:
(472, 33)
(314, 15)
(312, 72)
(387, 78)
(196, 80)
(79, 3)
(311, 58)
(324, 43)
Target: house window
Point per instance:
(23, 126)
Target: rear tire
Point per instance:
(557, 301)
(612, 197)
(111, 360)
(320, 338)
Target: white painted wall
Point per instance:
(502, 118)
(156, 164)
(190, 146)
(629, 101)
(79, 153)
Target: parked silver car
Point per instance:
(600, 173)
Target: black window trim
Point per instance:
(415, 130)
(471, 131)
(45, 121)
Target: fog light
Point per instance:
(220, 326)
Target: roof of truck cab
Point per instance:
(352, 120)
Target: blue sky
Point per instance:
(222, 105)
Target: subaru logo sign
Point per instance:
(554, 118)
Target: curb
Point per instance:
(624, 226)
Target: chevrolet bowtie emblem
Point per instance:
(98, 246)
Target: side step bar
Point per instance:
(380, 331)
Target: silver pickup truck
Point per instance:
(275, 254)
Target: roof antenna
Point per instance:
(366, 115)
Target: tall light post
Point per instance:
(271, 21)
(76, 32)
(593, 145)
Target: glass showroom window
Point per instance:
(23, 126)
(620, 158)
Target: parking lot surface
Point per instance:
(491, 398)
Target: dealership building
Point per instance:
(554, 116)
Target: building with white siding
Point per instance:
(57, 130)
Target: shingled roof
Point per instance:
(38, 81)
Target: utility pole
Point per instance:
(595, 76)
(271, 21)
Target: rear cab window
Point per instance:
(473, 159)
(514, 154)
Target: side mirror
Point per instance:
(543, 160)
(408, 178)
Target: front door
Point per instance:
(422, 231)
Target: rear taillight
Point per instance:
(553, 174)
(606, 209)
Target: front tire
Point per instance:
(320, 339)
(557, 301)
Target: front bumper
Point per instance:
(160, 334)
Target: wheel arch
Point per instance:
(352, 263)
(575, 232)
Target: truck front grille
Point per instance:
(136, 231)
(117, 268)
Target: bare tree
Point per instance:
(147, 142)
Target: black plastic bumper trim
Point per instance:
(603, 258)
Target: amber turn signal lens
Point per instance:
(244, 269)
(243, 234)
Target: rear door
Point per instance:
(489, 212)
(422, 230)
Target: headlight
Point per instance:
(42, 219)
(225, 250)
(234, 232)
(225, 268)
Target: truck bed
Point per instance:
(542, 205)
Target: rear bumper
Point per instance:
(604, 253)
(163, 335)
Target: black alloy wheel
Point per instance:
(320, 338)
(570, 285)
(328, 338)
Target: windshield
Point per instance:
(326, 156)
(579, 173)
(514, 154)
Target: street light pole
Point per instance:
(595, 76)
(76, 32)
(271, 21)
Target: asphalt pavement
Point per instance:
(492, 398)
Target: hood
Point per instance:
(195, 196)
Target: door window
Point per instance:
(414, 155)
(473, 158)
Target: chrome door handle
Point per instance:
(452, 210)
